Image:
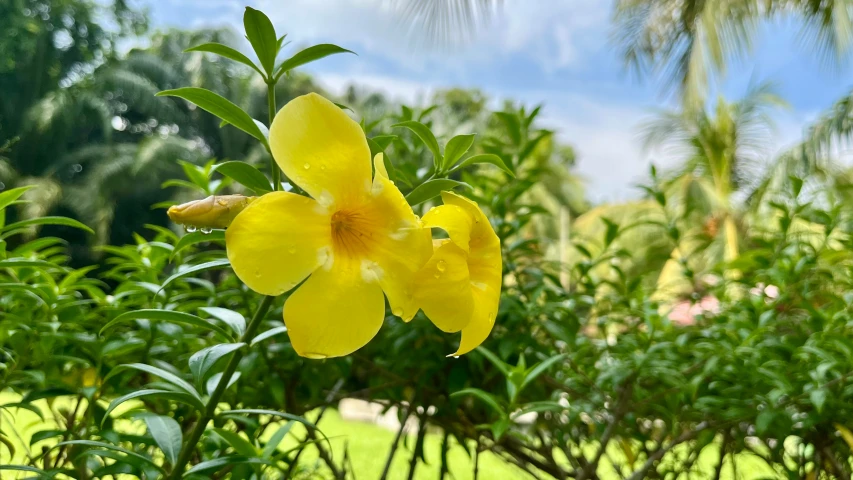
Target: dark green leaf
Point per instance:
(455, 148)
(203, 360)
(231, 318)
(244, 174)
(195, 238)
(489, 158)
(486, 397)
(166, 431)
(45, 434)
(214, 380)
(425, 134)
(67, 222)
(269, 333)
(166, 316)
(169, 377)
(274, 441)
(238, 443)
(308, 55)
(431, 189)
(225, 51)
(107, 446)
(219, 106)
(261, 35)
(183, 272)
(153, 392)
(219, 463)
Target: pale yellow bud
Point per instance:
(215, 211)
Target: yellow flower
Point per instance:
(353, 240)
(459, 288)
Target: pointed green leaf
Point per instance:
(486, 397)
(540, 369)
(166, 432)
(204, 359)
(195, 269)
(166, 316)
(261, 34)
(9, 196)
(221, 462)
(231, 318)
(153, 392)
(225, 51)
(308, 55)
(272, 444)
(195, 238)
(269, 333)
(238, 443)
(425, 134)
(67, 222)
(244, 174)
(108, 446)
(214, 379)
(219, 106)
(455, 148)
(169, 377)
(431, 189)
(489, 158)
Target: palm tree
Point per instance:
(686, 41)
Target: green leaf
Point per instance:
(149, 392)
(818, 398)
(225, 51)
(204, 359)
(238, 443)
(261, 34)
(489, 158)
(219, 106)
(25, 406)
(44, 435)
(223, 262)
(166, 316)
(231, 318)
(195, 238)
(257, 411)
(269, 333)
(455, 148)
(272, 444)
(497, 362)
(431, 189)
(486, 397)
(42, 394)
(107, 446)
(425, 134)
(308, 55)
(169, 377)
(244, 174)
(540, 369)
(67, 222)
(539, 407)
(221, 462)
(9, 196)
(166, 432)
(214, 379)
(24, 263)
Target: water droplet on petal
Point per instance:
(441, 265)
(455, 356)
(397, 311)
(315, 356)
(291, 249)
(437, 275)
(206, 230)
(322, 167)
(257, 273)
(190, 228)
(306, 167)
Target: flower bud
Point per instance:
(215, 211)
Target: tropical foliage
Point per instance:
(699, 332)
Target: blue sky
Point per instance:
(555, 52)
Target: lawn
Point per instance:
(368, 446)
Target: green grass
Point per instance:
(368, 447)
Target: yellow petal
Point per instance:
(482, 234)
(400, 245)
(484, 257)
(335, 312)
(277, 241)
(486, 302)
(443, 289)
(454, 220)
(321, 149)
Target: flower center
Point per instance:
(350, 233)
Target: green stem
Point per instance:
(275, 171)
(210, 409)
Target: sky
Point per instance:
(557, 53)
